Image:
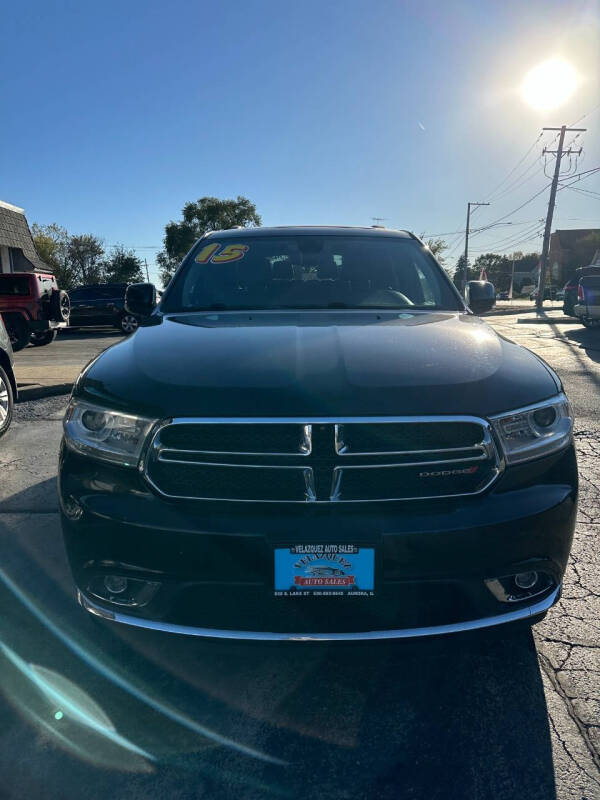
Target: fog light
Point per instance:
(526, 580)
(114, 584)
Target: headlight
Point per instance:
(110, 435)
(536, 430)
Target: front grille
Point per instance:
(325, 461)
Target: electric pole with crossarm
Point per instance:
(546, 246)
(466, 264)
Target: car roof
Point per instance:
(101, 285)
(27, 274)
(311, 230)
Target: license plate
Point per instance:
(324, 569)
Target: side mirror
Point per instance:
(480, 296)
(140, 299)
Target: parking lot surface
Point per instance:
(95, 710)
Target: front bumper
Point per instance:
(525, 613)
(40, 325)
(212, 565)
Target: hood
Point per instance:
(310, 364)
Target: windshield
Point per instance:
(310, 272)
(14, 285)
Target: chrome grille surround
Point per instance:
(340, 458)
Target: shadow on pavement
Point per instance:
(100, 710)
(91, 333)
(588, 339)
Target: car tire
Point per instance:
(7, 402)
(41, 338)
(60, 305)
(18, 331)
(128, 324)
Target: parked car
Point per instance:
(587, 307)
(571, 288)
(8, 384)
(503, 296)
(33, 307)
(101, 304)
(310, 398)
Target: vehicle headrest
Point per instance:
(282, 270)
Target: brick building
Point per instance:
(570, 249)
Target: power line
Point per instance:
(523, 236)
(514, 169)
(518, 208)
(587, 114)
(585, 192)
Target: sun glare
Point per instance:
(550, 84)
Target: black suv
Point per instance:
(101, 304)
(312, 436)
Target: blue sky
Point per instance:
(115, 114)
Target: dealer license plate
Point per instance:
(324, 569)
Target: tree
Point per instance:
(85, 257)
(207, 214)
(497, 267)
(123, 266)
(458, 277)
(51, 242)
(437, 247)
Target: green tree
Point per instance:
(206, 214)
(123, 266)
(51, 242)
(438, 248)
(497, 268)
(472, 273)
(85, 256)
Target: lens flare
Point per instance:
(549, 84)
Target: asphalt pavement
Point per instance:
(102, 711)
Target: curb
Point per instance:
(498, 312)
(40, 392)
(547, 321)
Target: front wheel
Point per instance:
(40, 338)
(6, 402)
(128, 324)
(18, 331)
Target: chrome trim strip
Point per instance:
(233, 466)
(483, 457)
(342, 449)
(336, 490)
(401, 633)
(308, 475)
(304, 441)
(311, 420)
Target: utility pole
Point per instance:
(546, 245)
(378, 220)
(147, 273)
(466, 264)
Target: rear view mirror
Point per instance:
(140, 299)
(480, 296)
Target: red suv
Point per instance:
(33, 307)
